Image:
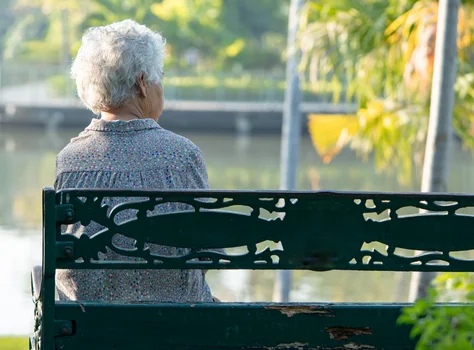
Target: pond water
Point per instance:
(27, 159)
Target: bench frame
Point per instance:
(319, 231)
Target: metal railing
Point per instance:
(51, 84)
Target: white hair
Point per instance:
(111, 59)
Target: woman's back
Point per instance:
(136, 154)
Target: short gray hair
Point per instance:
(110, 60)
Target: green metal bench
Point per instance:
(318, 231)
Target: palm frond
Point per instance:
(385, 52)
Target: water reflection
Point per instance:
(27, 160)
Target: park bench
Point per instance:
(317, 231)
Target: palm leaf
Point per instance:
(330, 133)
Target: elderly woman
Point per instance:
(118, 71)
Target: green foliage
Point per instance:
(31, 26)
(346, 39)
(444, 327)
(384, 51)
(226, 33)
(346, 42)
(108, 11)
(393, 132)
(6, 20)
(44, 31)
(464, 108)
(262, 25)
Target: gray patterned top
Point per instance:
(137, 154)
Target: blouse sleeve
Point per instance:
(197, 173)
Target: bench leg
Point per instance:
(36, 279)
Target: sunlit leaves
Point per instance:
(225, 33)
(345, 39)
(49, 6)
(385, 52)
(44, 30)
(395, 135)
(103, 12)
(414, 35)
(184, 10)
(330, 133)
(235, 48)
(389, 131)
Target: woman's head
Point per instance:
(121, 64)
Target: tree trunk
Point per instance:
(435, 167)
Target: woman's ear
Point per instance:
(141, 85)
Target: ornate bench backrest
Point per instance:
(259, 230)
(316, 230)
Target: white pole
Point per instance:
(291, 131)
(435, 167)
(65, 57)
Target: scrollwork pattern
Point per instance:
(318, 230)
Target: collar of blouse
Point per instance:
(121, 125)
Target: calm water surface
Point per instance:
(27, 159)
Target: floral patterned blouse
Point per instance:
(136, 154)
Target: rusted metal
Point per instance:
(355, 346)
(295, 345)
(292, 310)
(344, 333)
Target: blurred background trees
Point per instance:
(377, 54)
(214, 34)
(380, 53)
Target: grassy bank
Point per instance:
(13, 343)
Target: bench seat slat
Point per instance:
(232, 326)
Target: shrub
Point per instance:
(439, 326)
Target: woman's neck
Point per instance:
(125, 113)
(114, 116)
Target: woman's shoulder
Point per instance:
(76, 144)
(179, 141)
(95, 150)
(182, 149)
